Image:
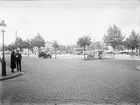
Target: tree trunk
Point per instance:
(55, 53)
(113, 53)
(128, 49)
(32, 50)
(37, 51)
(132, 53)
(28, 51)
(84, 52)
(139, 51)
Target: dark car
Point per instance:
(124, 52)
(44, 55)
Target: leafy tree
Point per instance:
(139, 43)
(98, 45)
(9, 47)
(61, 48)
(127, 43)
(83, 42)
(113, 37)
(106, 47)
(27, 45)
(121, 47)
(69, 48)
(55, 46)
(31, 44)
(92, 46)
(38, 41)
(133, 40)
(19, 43)
(5, 48)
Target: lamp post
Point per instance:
(3, 59)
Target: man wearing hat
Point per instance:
(18, 60)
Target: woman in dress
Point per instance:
(13, 61)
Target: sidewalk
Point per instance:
(9, 75)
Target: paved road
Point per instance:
(73, 80)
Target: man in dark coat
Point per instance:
(18, 60)
(13, 61)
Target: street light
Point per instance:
(3, 59)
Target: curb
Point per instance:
(10, 77)
(137, 68)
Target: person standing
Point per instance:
(13, 61)
(18, 60)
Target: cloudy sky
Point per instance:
(67, 20)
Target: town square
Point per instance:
(70, 52)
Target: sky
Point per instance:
(66, 21)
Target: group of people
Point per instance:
(16, 61)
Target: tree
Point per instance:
(95, 45)
(19, 43)
(92, 46)
(5, 48)
(27, 45)
(31, 41)
(133, 40)
(70, 48)
(83, 42)
(127, 43)
(98, 45)
(121, 47)
(61, 48)
(139, 43)
(55, 46)
(105, 47)
(9, 47)
(113, 37)
(38, 41)
(12, 46)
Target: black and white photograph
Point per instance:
(69, 52)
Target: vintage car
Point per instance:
(124, 52)
(44, 55)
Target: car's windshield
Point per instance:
(76, 52)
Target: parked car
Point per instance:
(124, 52)
(44, 55)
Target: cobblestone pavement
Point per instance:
(73, 81)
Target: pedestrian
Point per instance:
(18, 60)
(13, 61)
